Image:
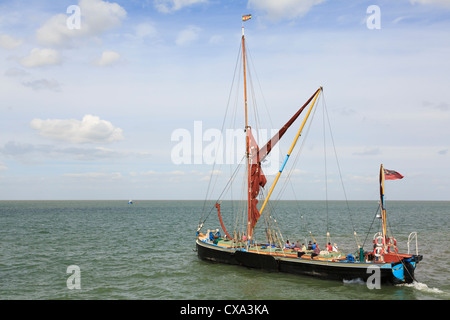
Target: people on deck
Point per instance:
(335, 248)
(310, 246)
(328, 247)
(287, 245)
(303, 247)
(316, 252)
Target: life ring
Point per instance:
(378, 251)
(379, 241)
(394, 244)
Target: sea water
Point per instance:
(146, 250)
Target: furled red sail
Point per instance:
(257, 178)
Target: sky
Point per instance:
(95, 96)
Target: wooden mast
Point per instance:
(383, 208)
(247, 143)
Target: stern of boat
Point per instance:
(403, 270)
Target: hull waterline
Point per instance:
(337, 270)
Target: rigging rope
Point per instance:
(340, 173)
(223, 125)
(325, 166)
(212, 184)
(370, 228)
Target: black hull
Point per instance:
(333, 271)
(206, 252)
(320, 269)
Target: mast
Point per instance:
(385, 175)
(383, 208)
(247, 143)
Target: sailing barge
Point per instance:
(381, 263)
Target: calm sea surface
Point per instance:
(146, 251)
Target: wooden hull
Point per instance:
(392, 272)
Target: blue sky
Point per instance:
(89, 113)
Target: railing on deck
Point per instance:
(411, 237)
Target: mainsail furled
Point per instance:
(255, 176)
(257, 179)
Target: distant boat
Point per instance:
(130, 201)
(242, 247)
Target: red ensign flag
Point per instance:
(391, 175)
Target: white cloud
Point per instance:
(368, 152)
(95, 175)
(15, 72)
(397, 20)
(216, 39)
(188, 35)
(55, 31)
(108, 58)
(97, 17)
(167, 6)
(91, 129)
(40, 84)
(442, 3)
(145, 30)
(41, 57)
(442, 106)
(27, 153)
(101, 15)
(283, 9)
(8, 42)
(144, 34)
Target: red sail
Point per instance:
(221, 222)
(257, 178)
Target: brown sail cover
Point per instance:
(257, 179)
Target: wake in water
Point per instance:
(421, 287)
(415, 285)
(357, 281)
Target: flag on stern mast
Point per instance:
(392, 175)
